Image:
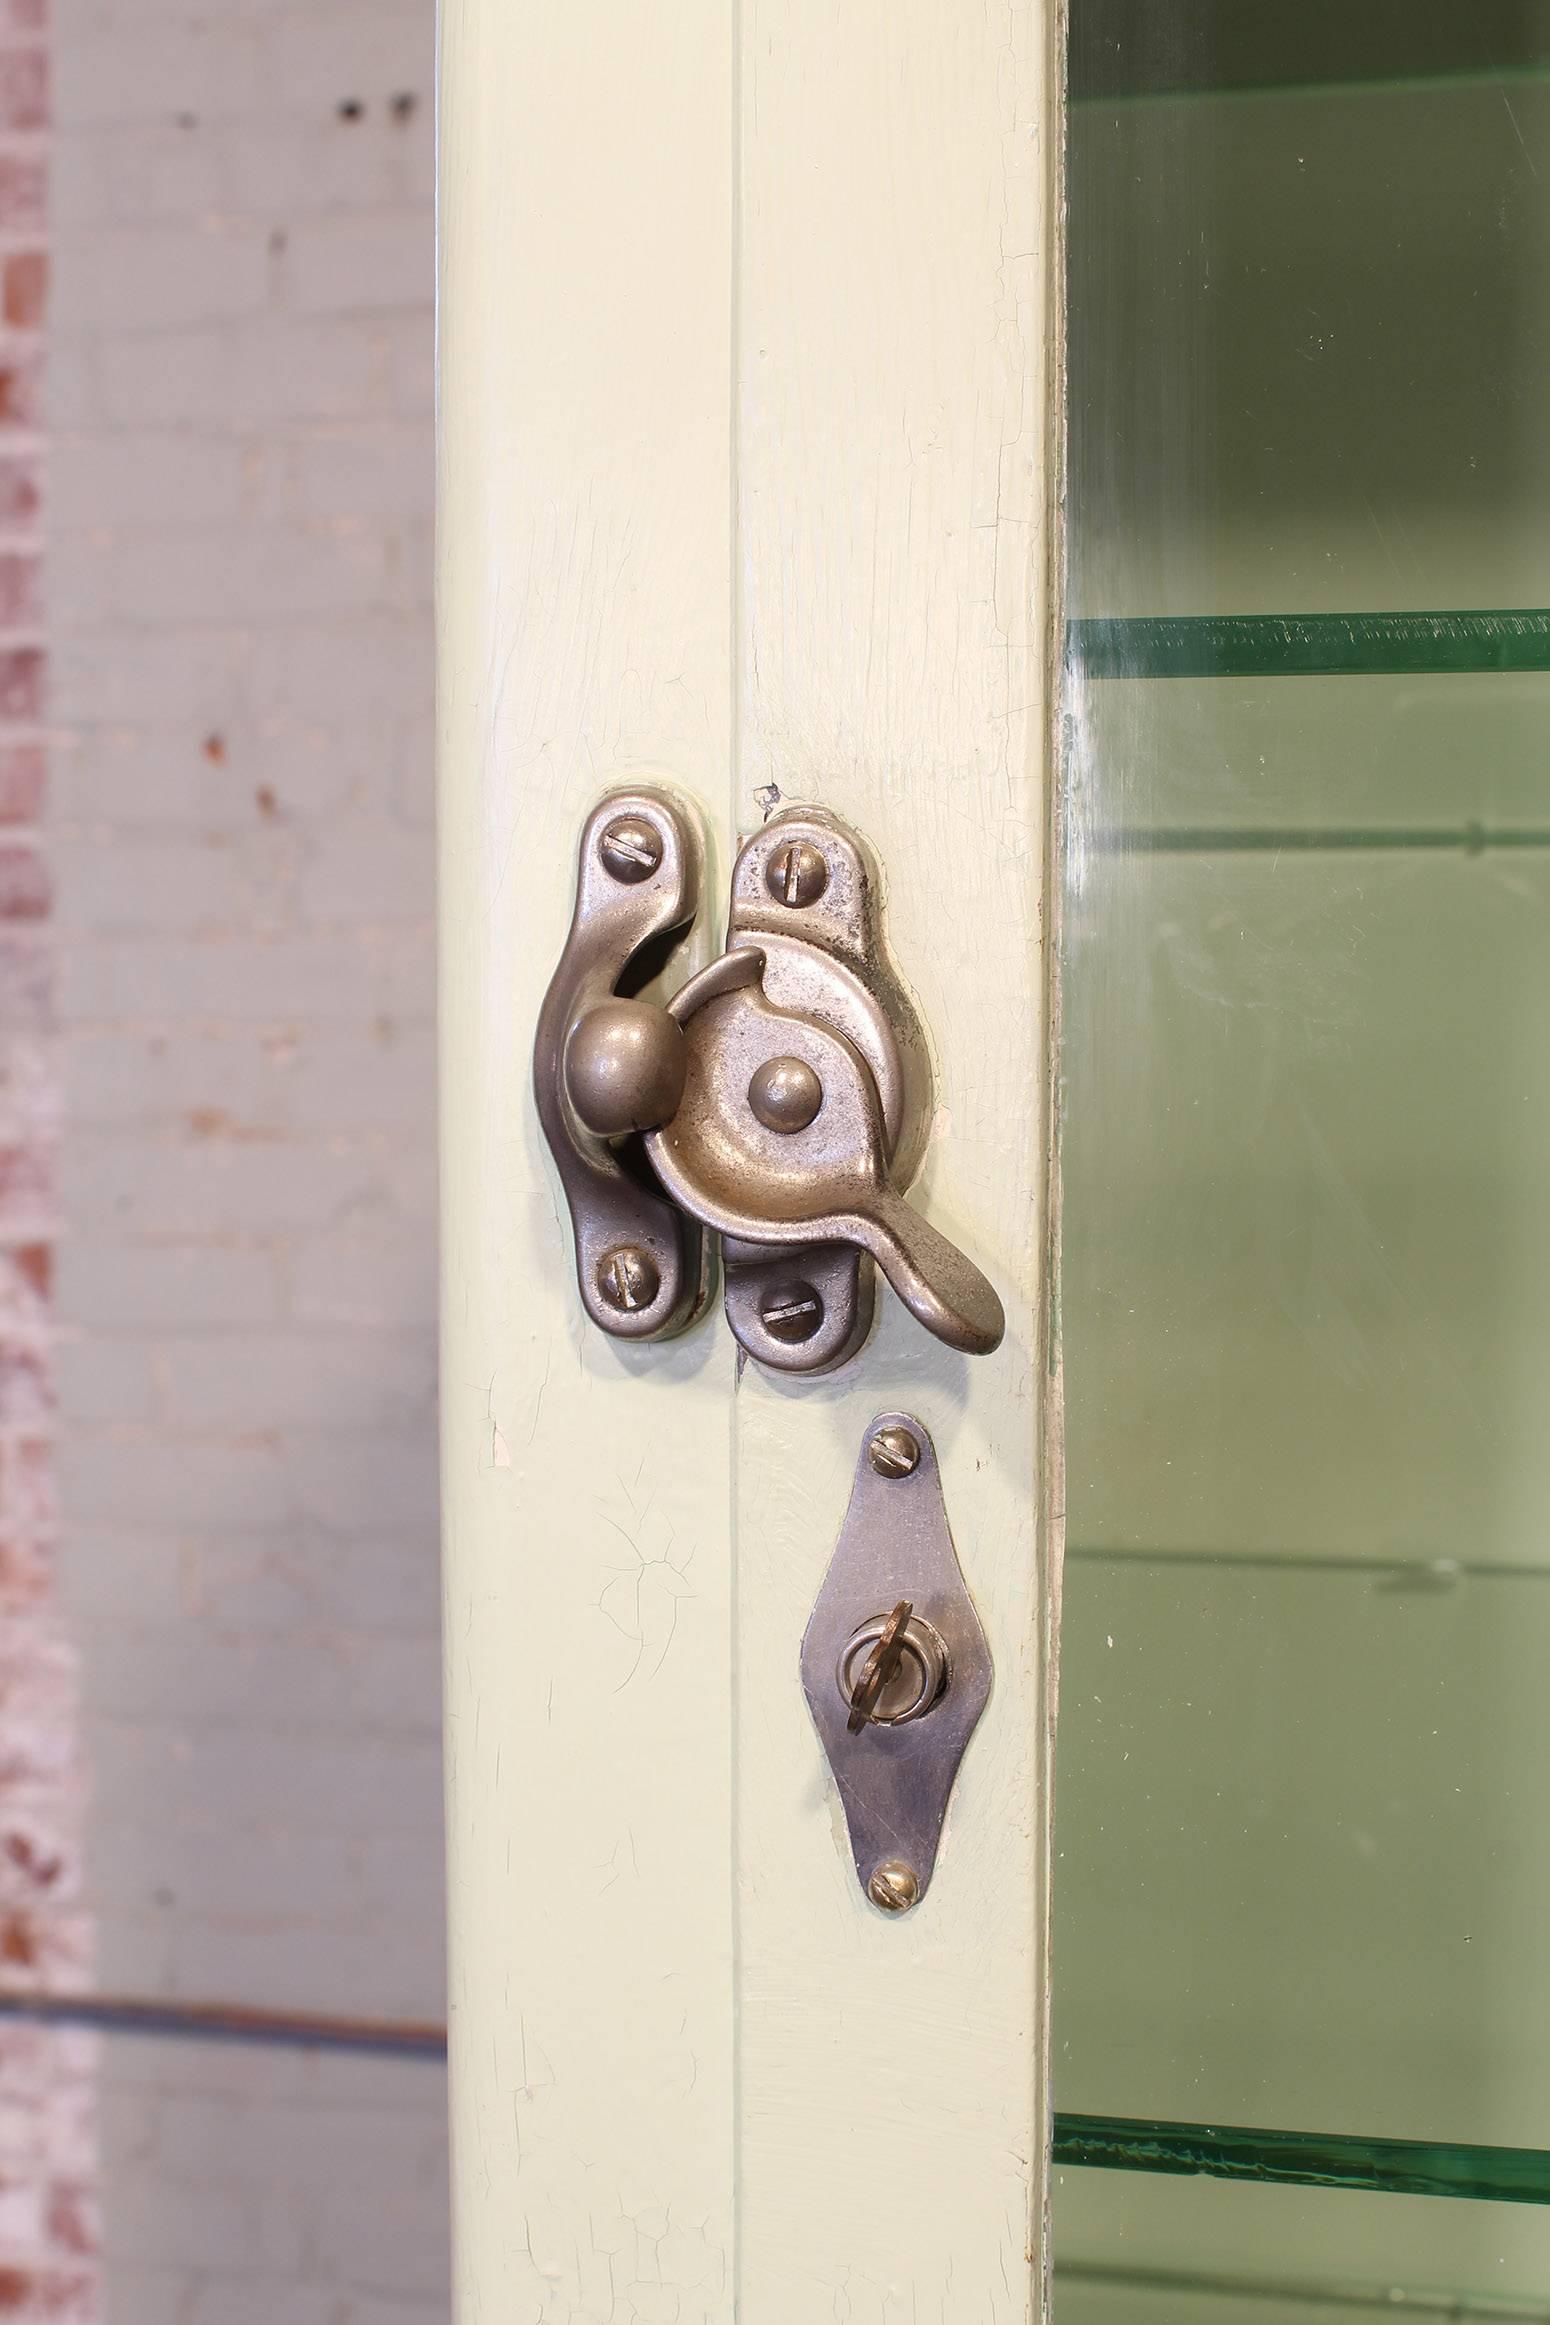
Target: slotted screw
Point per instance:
(791, 1313)
(797, 874)
(628, 1278)
(631, 848)
(894, 1452)
(894, 1886)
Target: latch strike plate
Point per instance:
(895, 1663)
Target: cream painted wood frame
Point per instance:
(749, 389)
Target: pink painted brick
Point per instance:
(23, 776)
(21, 590)
(22, 688)
(24, 299)
(21, 385)
(24, 81)
(21, 493)
(23, 192)
(26, 1184)
(26, 1394)
(24, 889)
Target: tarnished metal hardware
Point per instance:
(782, 1096)
(640, 1257)
(895, 1665)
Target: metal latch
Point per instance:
(782, 1097)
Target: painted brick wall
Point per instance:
(47, 2080)
(239, 557)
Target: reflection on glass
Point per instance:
(1303, 1873)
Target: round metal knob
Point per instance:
(624, 1067)
(785, 1094)
(892, 1669)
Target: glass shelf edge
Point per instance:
(1298, 2159)
(1313, 2292)
(1417, 644)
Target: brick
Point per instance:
(134, 1482)
(265, 368)
(368, 869)
(332, 1683)
(24, 88)
(23, 682)
(152, 477)
(392, 1971)
(301, 1380)
(27, 1391)
(123, 883)
(284, 572)
(364, 1278)
(20, 493)
(375, 259)
(147, 277)
(24, 884)
(197, 1081)
(106, 1381)
(227, 2300)
(26, 1189)
(110, 1573)
(21, 386)
(115, 1285)
(218, 1186)
(151, 170)
(24, 294)
(21, 591)
(387, 1580)
(192, 674)
(355, 1479)
(27, 1493)
(354, 51)
(234, 2228)
(175, 1869)
(308, 166)
(384, 470)
(26, 985)
(210, 68)
(379, 661)
(350, 975)
(23, 191)
(218, 1779)
(25, 1272)
(254, 1081)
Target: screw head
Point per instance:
(893, 1886)
(785, 1094)
(628, 1278)
(630, 848)
(791, 1313)
(894, 1452)
(797, 874)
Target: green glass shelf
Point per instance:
(1129, 49)
(1352, 645)
(1304, 2159)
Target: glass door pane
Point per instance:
(1303, 1871)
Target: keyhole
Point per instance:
(892, 1669)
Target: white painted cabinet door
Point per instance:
(748, 385)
